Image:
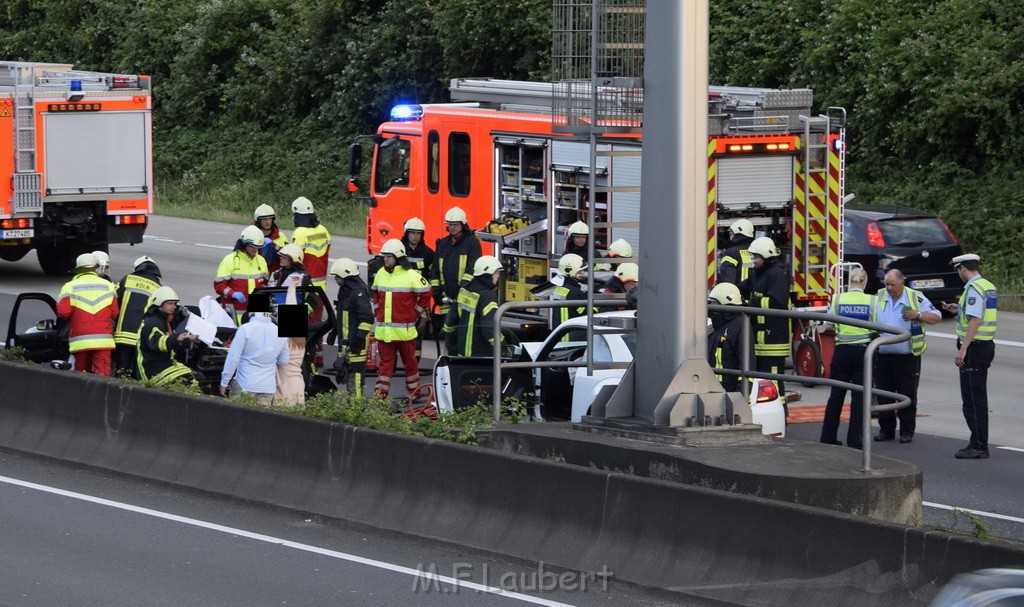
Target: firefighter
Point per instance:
(419, 254)
(241, 272)
(316, 246)
(89, 304)
(355, 322)
(133, 294)
(401, 296)
(576, 239)
(768, 287)
(264, 218)
(453, 260)
(104, 267)
(163, 340)
(572, 269)
(725, 349)
(624, 278)
(469, 326)
(734, 265)
(848, 360)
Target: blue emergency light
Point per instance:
(406, 111)
(839, 144)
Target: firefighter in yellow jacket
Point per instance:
(242, 271)
(401, 297)
(89, 304)
(316, 246)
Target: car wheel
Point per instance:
(807, 361)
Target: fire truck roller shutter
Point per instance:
(766, 180)
(97, 153)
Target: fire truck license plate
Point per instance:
(930, 283)
(5, 234)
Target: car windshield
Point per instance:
(915, 232)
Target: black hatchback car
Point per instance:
(919, 244)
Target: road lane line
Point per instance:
(161, 239)
(1003, 517)
(1011, 449)
(1001, 342)
(213, 246)
(426, 574)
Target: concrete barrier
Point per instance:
(703, 542)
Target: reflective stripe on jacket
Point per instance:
(917, 341)
(852, 304)
(316, 249)
(239, 272)
(400, 297)
(133, 295)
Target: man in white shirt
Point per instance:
(252, 358)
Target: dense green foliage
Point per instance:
(257, 99)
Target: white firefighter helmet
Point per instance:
(302, 206)
(86, 261)
(763, 246)
(743, 226)
(578, 229)
(486, 264)
(344, 268)
(571, 264)
(455, 214)
(163, 295)
(620, 248)
(726, 294)
(264, 210)
(142, 260)
(627, 272)
(415, 224)
(102, 258)
(292, 251)
(252, 235)
(393, 247)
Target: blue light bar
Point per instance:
(406, 111)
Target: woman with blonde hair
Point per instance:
(291, 387)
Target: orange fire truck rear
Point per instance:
(76, 169)
(495, 153)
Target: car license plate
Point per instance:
(5, 234)
(928, 283)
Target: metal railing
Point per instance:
(895, 335)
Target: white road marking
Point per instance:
(1011, 449)
(1003, 517)
(214, 246)
(161, 239)
(286, 543)
(1000, 342)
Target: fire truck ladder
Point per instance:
(815, 163)
(27, 181)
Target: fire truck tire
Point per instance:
(59, 260)
(13, 253)
(807, 361)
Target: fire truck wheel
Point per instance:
(13, 253)
(807, 361)
(59, 260)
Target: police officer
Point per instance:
(133, 294)
(400, 298)
(725, 349)
(315, 241)
(848, 360)
(469, 326)
(572, 269)
(89, 304)
(264, 218)
(898, 366)
(355, 322)
(453, 261)
(735, 264)
(241, 272)
(163, 340)
(975, 341)
(768, 288)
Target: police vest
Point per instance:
(853, 304)
(917, 342)
(987, 291)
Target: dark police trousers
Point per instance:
(974, 390)
(847, 365)
(898, 373)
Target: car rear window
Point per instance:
(915, 232)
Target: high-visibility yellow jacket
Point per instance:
(316, 248)
(90, 305)
(239, 272)
(400, 297)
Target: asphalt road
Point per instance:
(72, 536)
(188, 252)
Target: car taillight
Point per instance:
(875, 237)
(948, 231)
(766, 391)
